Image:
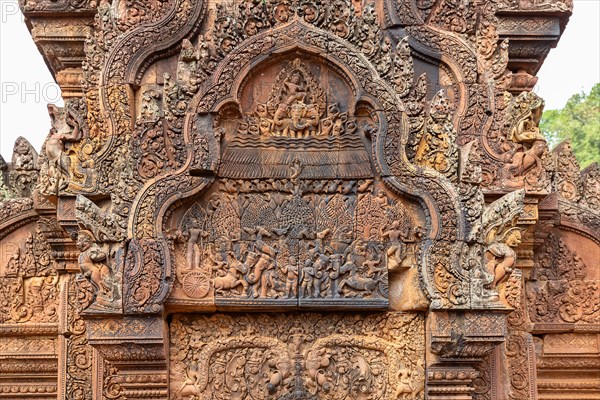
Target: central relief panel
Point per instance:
(296, 217)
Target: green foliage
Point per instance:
(4, 192)
(578, 121)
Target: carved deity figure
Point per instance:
(526, 146)
(94, 267)
(293, 117)
(395, 253)
(313, 274)
(296, 108)
(28, 259)
(335, 272)
(23, 157)
(36, 291)
(296, 168)
(500, 257)
(58, 166)
(295, 90)
(23, 174)
(13, 264)
(194, 253)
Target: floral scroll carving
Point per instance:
(560, 291)
(317, 357)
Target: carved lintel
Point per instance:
(301, 358)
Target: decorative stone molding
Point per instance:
(297, 199)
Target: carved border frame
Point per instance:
(445, 217)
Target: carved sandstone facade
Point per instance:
(298, 199)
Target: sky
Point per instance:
(27, 86)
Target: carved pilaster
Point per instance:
(461, 344)
(454, 383)
(130, 357)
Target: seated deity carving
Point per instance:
(296, 108)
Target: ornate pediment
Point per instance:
(297, 200)
(297, 129)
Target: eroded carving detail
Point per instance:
(559, 291)
(314, 357)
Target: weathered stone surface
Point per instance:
(297, 199)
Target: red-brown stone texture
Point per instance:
(298, 199)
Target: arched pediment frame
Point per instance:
(436, 194)
(116, 61)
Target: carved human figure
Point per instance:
(295, 89)
(193, 253)
(37, 291)
(29, 266)
(363, 286)
(257, 276)
(500, 257)
(320, 264)
(335, 266)
(526, 145)
(371, 265)
(527, 159)
(94, 267)
(404, 389)
(23, 158)
(191, 381)
(65, 128)
(291, 273)
(293, 117)
(308, 274)
(396, 251)
(233, 278)
(13, 265)
(296, 168)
